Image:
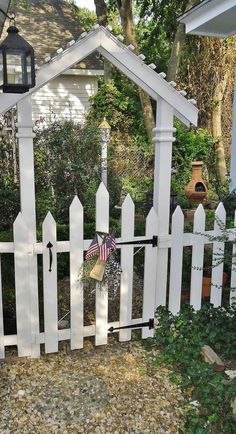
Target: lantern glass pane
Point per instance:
(28, 69)
(1, 68)
(15, 64)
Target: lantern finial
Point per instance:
(104, 125)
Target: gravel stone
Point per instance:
(113, 389)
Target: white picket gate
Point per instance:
(28, 337)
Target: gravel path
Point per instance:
(113, 389)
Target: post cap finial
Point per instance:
(104, 125)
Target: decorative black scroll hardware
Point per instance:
(149, 324)
(49, 246)
(152, 241)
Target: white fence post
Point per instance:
(233, 268)
(127, 261)
(197, 258)
(161, 197)
(76, 285)
(2, 351)
(25, 137)
(149, 285)
(50, 286)
(23, 305)
(102, 225)
(176, 263)
(218, 252)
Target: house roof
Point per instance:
(123, 58)
(212, 18)
(4, 5)
(48, 26)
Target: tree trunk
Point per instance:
(101, 12)
(217, 127)
(126, 14)
(180, 36)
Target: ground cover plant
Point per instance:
(211, 394)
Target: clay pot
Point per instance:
(206, 284)
(196, 190)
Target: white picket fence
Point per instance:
(28, 337)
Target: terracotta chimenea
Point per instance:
(196, 190)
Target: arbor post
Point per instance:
(25, 137)
(163, 138)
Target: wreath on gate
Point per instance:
(101, 263)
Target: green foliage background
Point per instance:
(67, 163)
(181, 338)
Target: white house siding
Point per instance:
(65, 97)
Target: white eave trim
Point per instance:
(192, 11)
(203, 13)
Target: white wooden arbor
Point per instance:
(170, 103)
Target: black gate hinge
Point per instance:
(152, 241)
(149, 324)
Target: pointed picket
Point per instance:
(149, 285)
(218, 252)
(102, 225)
(233, 271)
(176, 261)
(23, 310)
(2, 351)
(50, 285)
(197, 258)
(126, 283)
(76, 285)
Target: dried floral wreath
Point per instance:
(101, 263)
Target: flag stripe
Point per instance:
(107, 248)
(93, 248)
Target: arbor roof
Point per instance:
(4, 5)
(123, 58)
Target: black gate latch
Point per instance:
(149, 324)
(152, 241)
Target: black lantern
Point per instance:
(17, 69)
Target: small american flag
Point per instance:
(107, 248)
(93, 248)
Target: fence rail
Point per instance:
(29, 338)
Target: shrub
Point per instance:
(67, 162)
(10, 206)
(181, 338)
